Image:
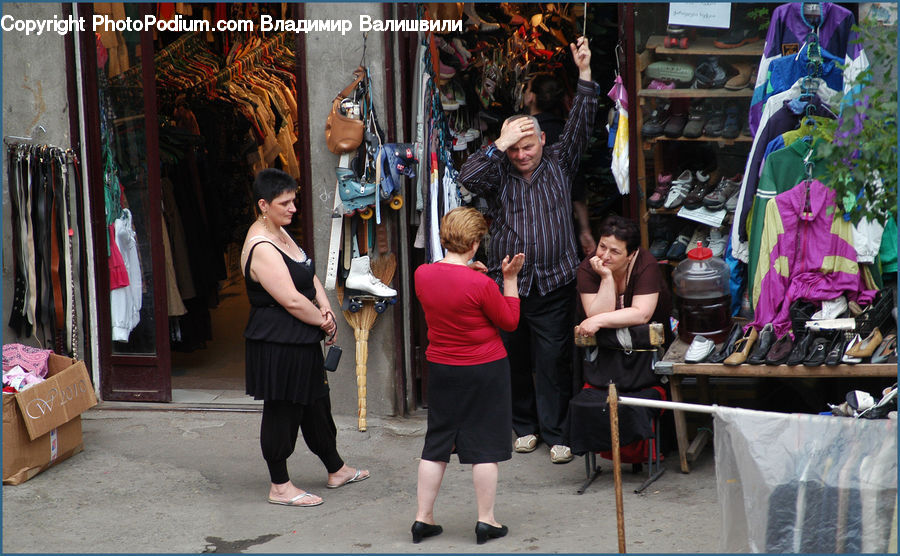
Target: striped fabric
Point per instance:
(535, 217)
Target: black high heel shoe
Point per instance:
(421, 530)
(485, 531)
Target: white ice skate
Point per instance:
(362, 285)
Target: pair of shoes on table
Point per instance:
(742, 348)
(701, 347)
(886, 350)
(560, 454)
(863, 348)
(727, 347)
(764, 342)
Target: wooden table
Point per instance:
(674, 367)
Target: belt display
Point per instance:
(45, 244)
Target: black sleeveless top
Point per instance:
(271, 322)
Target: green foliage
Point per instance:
(862, 159)
(760, 16)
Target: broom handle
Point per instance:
(617, 464)
(362, 355)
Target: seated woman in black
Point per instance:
(621, 286)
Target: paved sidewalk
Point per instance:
(194, 481)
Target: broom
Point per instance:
(362, 321)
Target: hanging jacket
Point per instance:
(779, 116)
(804, 255)
(788, 31)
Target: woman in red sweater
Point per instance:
(469, 399)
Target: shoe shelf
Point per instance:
(744, 93)
(704, 46)
(720, 140)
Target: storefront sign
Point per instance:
(700, 14)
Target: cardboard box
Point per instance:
(42, 425)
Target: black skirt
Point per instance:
(285, 372)
(469, 407)
(587, 427)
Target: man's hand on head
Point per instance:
(512, 132)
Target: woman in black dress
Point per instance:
(289, 316)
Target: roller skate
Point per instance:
(356, 196)
(361, 285)
(676, 37)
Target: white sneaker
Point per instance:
(560, 454)
(526, 444)
(699, 236)
(718, 241)
(699, 349)
(831, 309)
(681, 186)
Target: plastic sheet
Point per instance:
(806, 483)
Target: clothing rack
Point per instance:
(184, 44)
(245, 62)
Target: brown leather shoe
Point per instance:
(780, 351)
(866, 348)
(742, 348)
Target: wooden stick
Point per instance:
(617, 464)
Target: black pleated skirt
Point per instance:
(285, 372)
(469, 408)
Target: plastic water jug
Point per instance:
(702, 296)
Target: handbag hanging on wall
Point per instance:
(343, 133)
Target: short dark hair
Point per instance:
(622, 229)
(270, 183)
(548, 93)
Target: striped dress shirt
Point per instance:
(534, 216)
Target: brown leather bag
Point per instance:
(343, 134)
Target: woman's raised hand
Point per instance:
(511, 267)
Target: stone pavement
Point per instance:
(181, 481)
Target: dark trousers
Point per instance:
(278, 434)
(540, 361)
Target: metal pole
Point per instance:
(617, 464)
(659, 404)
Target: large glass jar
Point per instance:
(702, 296)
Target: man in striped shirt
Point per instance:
(528, 190)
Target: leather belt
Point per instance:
(45, 243)
(17, 318)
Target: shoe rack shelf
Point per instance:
(704, 46)
(657, 147)
(744, 93)
(720, 140)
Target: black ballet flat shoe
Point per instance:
(485, 531)
(421, 530)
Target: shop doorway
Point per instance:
(180, 122)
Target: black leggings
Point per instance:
(278, 434)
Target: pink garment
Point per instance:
(19, 379)
(808, 246)
(118, 274)
(32, 359)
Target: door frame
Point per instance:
(126, 377)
